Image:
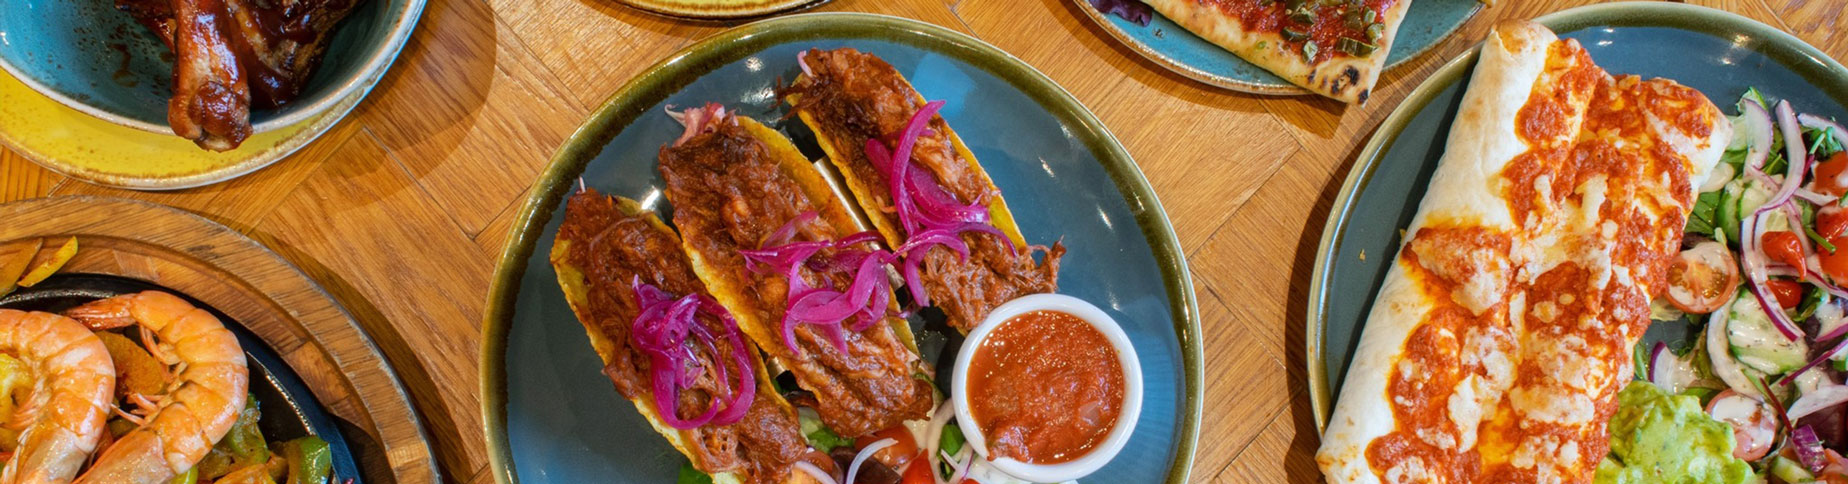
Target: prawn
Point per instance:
(201, 401)
(69, 398)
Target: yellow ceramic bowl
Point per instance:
(93, 150)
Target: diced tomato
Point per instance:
(1702, 278)
(1789, 293)
(1832, 221)
(1783, 246)
(918, 472)
(898, 454)
(1836, 265)
(1829, 180)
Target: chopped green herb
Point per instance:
(1294, 35)
(1826, 144)
(1812, 297)
(1304, 15)
(1824, 243)
(1354, 47)
(1263, 44)
(689, 475)
(1370, 16)
(952, 440)
(1375, 31)
(1310, 50)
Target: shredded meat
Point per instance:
(729, 194)
(853, 97)
(611, 248)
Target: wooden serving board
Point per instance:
(255, 287)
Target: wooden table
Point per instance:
(401, 210)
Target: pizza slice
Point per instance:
(1497, 344)
(1334, 48)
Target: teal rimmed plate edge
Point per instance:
(1777, 44)
(675, 72)
(1225, 82)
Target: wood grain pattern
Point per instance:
(401, 210)
(252, 285)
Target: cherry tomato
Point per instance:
(1754, 426)
(918, 472)
(896, 455)
(1829, 180)
(1832, 221)
(1836, 265)
(1789, 293)
(1783, 246)
(1702, 278)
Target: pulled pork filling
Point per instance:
(611, 249)
(729, 194)
(852, 97)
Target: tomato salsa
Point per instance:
(1047, 388)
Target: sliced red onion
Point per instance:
(1793, 216)
(1754, 261)
(696, 120)
(934, 437)
(1797, 161)
(1839, 346)
(783, 234)
(1808, 447)
(802, 60)
(1655, 361)
(1818, 122)
(866, 299)
(662, 329)
(866, 453)
(1821, 398)
(1816, 198)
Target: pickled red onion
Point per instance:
(662, 329)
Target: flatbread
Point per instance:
(1502, 333)
(1336, 75)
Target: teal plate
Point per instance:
(1427, 22)
(552, 417)
(1719, 53)
(87, 55)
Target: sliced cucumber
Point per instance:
(1720, 358)
(1757, 343)
(1789, 470)
(1738, 199)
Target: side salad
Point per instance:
(1764, 259)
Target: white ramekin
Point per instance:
(1132, 388)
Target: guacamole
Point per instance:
(1657, 437)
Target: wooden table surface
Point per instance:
(401, 210)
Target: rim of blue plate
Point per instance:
(1240, 85)
(1777, 44)
(682, 68)
(377, 63)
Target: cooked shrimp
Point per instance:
(200, 403)
(67, 402)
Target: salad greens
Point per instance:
(1757, 394)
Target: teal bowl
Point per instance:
(87, 55)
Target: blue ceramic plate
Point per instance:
(288, 406)
(1427, 22)
(87, 55)
(551, 415)
(1719, 53)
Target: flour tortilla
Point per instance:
(1345, 78)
